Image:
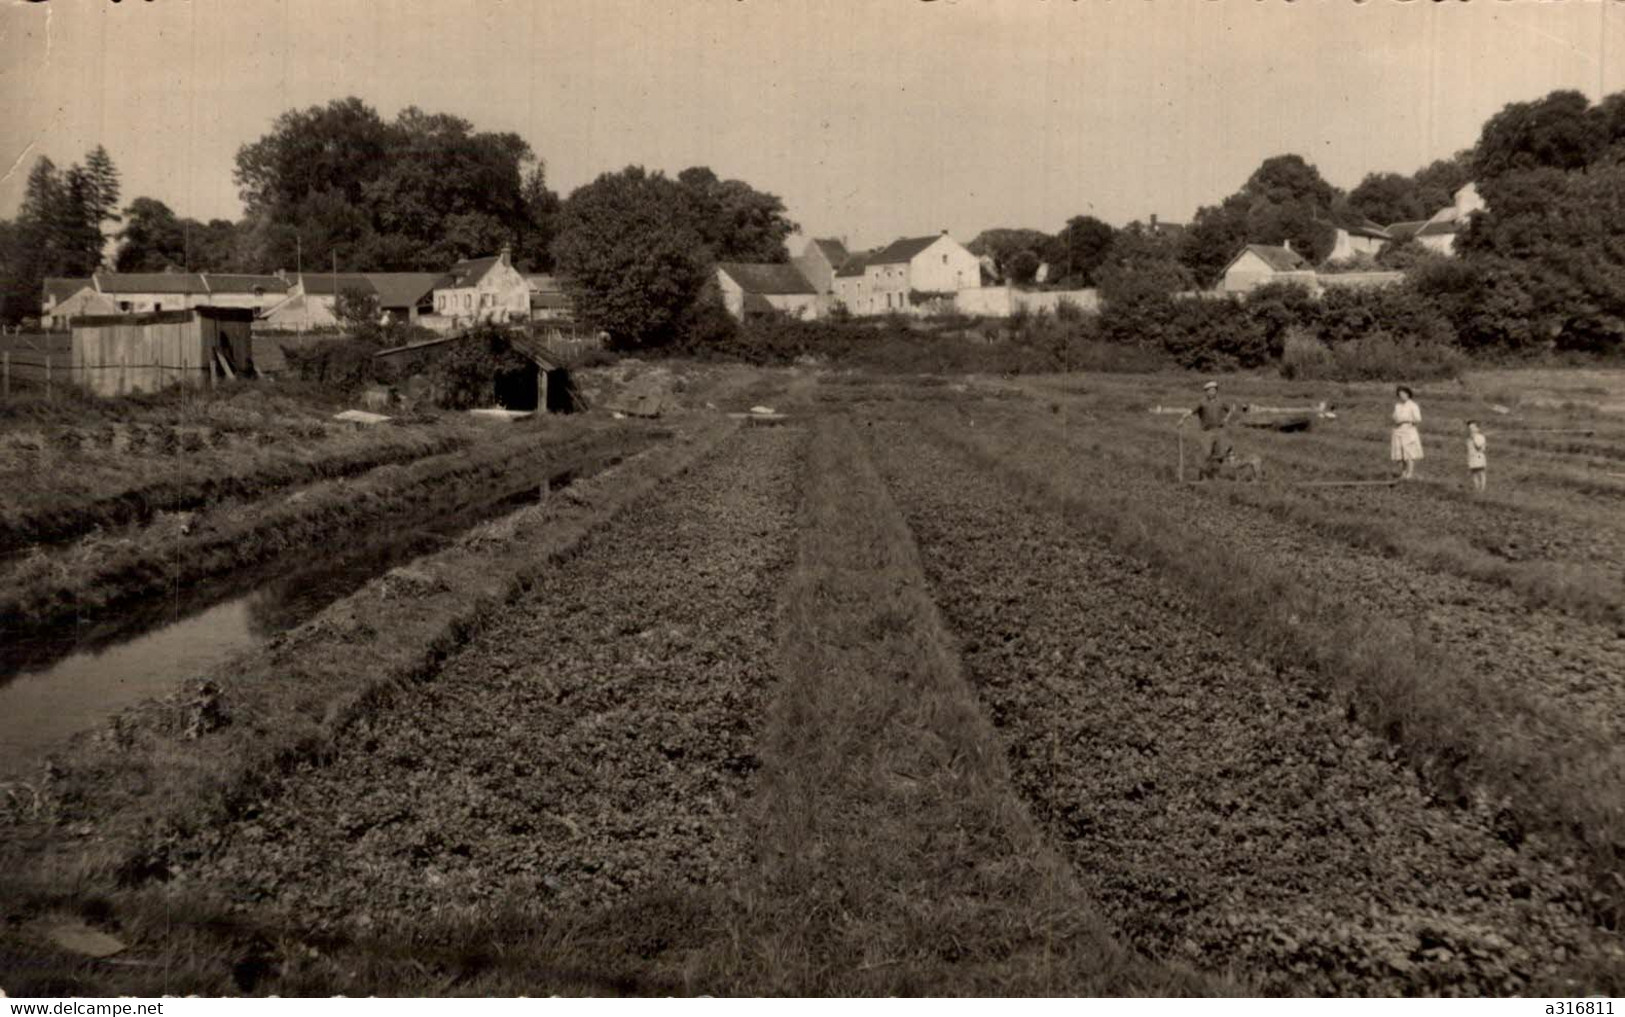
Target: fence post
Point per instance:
(5, 358)
(47, 375)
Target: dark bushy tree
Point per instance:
(630, 256)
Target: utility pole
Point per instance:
(299, 274)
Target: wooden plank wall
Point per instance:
(123, 358)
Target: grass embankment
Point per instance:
(101, 834)
(65, 477)
(1470, 733)
(893, 855)
(86, 580)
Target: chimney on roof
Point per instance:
(944, 232)
(1153, 222)
(1287, 243)
(505, 254)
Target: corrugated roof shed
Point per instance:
(769, 278)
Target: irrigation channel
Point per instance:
(68, 678)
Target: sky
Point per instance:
(871, 119)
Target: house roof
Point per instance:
(854, 265)
(543, 282)
(1277, 258)
(1441, 227)
(326, 284)
(150, 282)
(833, 251)
(232, 283)
(1365, 228)
(62, 288)
(770, 278)
(404, 289)
(1402, 231)
(903, 251)
(470, 271)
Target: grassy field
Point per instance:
(945, 686)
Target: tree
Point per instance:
(1560, 232)
(57, 231)
(418, 192)
(358, 313)
(1284, 200)
(102, 188)
(1141, 266)
(1003, 244)
(534, 248)
(1388, 198)
(1077, 252)
(631, 256)
(1022, 267)
(153, 239)
(734, 221)
(1559, 132)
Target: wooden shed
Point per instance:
(119, 354)
(542, 383)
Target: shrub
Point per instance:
(342, 365)
(464, 374)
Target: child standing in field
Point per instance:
(1477, 461)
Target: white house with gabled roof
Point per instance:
(484, 289)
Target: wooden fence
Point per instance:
(34, 360)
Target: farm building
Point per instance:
(753, 289)
(151, 292)
(1258, 264)
(530, 378)
(126, 353)
(895, 278)
(1353, 240)
(84, 300)
(405, 296)
(819, 261)
(548, 301)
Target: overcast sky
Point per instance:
(870, 118)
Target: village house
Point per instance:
(1438, 232)
(152, 292)
(755, 289)
(1356, 240)
(1257, 264)
(900, 275)
(483, 289)
(312, 299)
(851, 286)
(66, 299)
(819, 261)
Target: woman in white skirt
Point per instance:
(1406, 447)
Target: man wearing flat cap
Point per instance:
(1212, 415)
